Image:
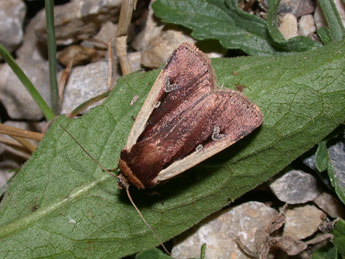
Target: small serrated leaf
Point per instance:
(339, 236)
(321, 156)
(337, 181)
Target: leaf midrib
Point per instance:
(47, 210)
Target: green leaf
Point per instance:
(62, 205)
(339, 236)
(333, 19)
(203, 251)
(224, 21)
(321, 156)
(153, 253)
(325, 35)
(326, 252)
(336, 178)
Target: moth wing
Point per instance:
(185, 64)
(238, 118)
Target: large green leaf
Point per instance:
(62, 205)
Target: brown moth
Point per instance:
(184, 121)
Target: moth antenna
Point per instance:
(123, 183)
(142, 217)
(86, 152)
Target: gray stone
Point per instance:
(12, 14)
(14, 96)
(161, 46)
(220, 230)
(306, 25)
(296, 7)
(84, 83)
(157, 41)
(32, 48)
(79, 19)
(302, 222)
(310, 162)
(79, 54)
(295, 187)
(134, 59)
(288, 26)
(331, 205)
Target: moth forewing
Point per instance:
(215, 146)
(191, 160)
(145, 111)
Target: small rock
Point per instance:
(105, 34)
(152, 28)
(295, 187)
(134, 60)
(289, 245)
(305, 7)
(288, 26)
(32, 48)
(12, 14)
(331, 205)
(84, 83)
(161, 46)
(306, 25)
(302, 222)
(16, 99)
(79, 54)
(296, 7)
(157, 41)
(219, 230)
(310, 162)
(79, 19)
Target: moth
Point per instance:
(184, 120)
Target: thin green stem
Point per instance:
(49, 6)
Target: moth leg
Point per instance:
(112, 169)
